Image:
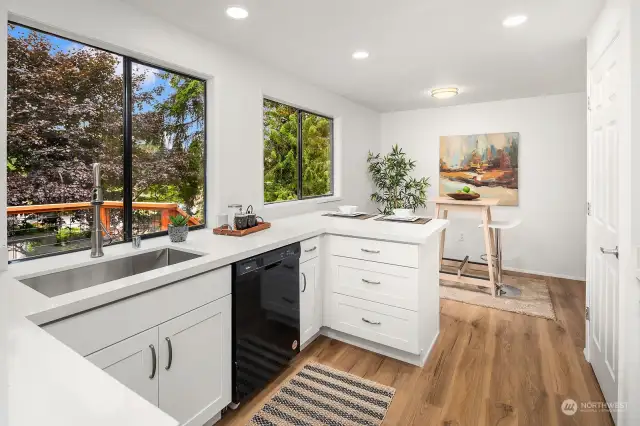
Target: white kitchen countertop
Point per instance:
(44, 382)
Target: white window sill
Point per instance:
(320, 200)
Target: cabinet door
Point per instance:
(309, 324)
(134, 363)
(195, 368)
(319, 296)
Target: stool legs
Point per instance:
(502, 288)
(498, 257)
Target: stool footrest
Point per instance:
(484, 257)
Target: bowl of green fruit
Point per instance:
(464, 194)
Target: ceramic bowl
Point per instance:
(463, 196)
(402, 212)
(347, 209)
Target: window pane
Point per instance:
(64, 113)
(280, 152)
(168, 148)
(316, 155)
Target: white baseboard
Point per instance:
(546, 274)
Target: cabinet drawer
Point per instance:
(376, 322)
(374, 250)
(310, 249)
(90, 331)
(377, 282)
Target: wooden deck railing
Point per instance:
(165, 209)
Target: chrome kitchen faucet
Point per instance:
(97, 201)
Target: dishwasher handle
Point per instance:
(273, 265)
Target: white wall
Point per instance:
(236, 86)
(552, 176)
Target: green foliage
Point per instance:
(396, 189)
(65, 234)
(179, 220)
(281, 153)
(65, 111)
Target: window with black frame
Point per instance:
(70, 105)
(287, 132)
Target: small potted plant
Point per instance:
(178, 228)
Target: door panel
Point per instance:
(606, 112)
(195, 375)
(308, 323)
(131, 363)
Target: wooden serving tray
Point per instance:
(241, 232)
(463, 196)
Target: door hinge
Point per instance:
(586, 313)
(588, 209)
(588, 103)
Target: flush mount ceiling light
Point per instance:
(444, 92)
(360, 54)
(237, 12)
(514, 21)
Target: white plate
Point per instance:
(402, 219)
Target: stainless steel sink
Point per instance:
(75, 279)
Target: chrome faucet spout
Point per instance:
(97, 201)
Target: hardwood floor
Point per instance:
(489, 367)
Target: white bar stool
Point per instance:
(496, 227)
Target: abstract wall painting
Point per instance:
(486, 163)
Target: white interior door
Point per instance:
(607, 111)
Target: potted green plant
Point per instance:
(178, 228)
(397, 191)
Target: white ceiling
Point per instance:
(414, 44)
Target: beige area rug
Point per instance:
(319, 395)
(535, 299)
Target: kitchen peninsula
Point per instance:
(384, 273)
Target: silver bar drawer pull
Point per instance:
(370, 251)
(370, 282)
(311, 249)
(370, 322)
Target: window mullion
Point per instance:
(300, 155)
(127, 75)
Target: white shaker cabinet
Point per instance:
(134, 363)
(195, 368)
(182, 366)
(310, 306)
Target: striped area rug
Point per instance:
(319, 395)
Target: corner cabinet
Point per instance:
(310, 300)
(195, 373)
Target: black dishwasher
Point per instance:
(266, 318)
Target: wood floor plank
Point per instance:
(488, 368)
(465, 405)
(500, 414)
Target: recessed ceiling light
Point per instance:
(360, 54)
(237, 12)
(444, 92)
(514, 21)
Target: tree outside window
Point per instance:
(65, 112)
(288, 131)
